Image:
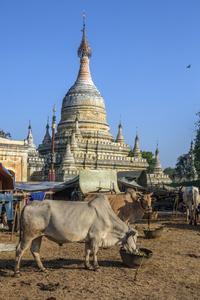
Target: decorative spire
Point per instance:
(47, 137)
(84, 48)
(68, 159)
(136, 149)
(120, 138)
(84, 52)
(30, 136)
(192, 146)
(74, 146)
(54, 118)
(77, 130)
(156, 166)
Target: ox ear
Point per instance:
(153, 199)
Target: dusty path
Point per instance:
(172, 273)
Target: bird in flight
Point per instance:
(188, 66)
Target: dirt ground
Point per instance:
(173, 272)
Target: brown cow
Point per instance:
(129, 206)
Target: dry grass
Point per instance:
(172, 272)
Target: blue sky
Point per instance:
(140, 53)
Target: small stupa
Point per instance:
(156, 166)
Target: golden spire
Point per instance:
(84, 48)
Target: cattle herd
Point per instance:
(100, 221)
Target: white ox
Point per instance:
(65, 221)
(191, 198)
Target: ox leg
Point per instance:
(95, 248)
(87, 255)
(95, 261)
(21, 248)
(191, 214)
(35, 249)
(195, 216)
(187, 214)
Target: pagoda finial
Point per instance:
(47, 127)
(84, 48)
(84, 20)
(120, 123)
(54, 118)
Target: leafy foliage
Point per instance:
(171, 172)
(149, 157)
(184, 167)
(4, 135)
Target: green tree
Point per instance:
(184, 169)
(4, 135)
(149, 156)
(131, 152)
(171, 172)
(150, 159)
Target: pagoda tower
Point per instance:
(83, 123)
(120, 138)
(136, 149)
(47, 137)
(156, 166)
(84, 102)
(29, 139)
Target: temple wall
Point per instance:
(15, 163)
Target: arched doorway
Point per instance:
(12, 173)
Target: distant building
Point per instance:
(20, 158)
(157, 177)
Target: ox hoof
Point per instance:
(16, 275)
(44, 270)
(88, 267)
(97, 270)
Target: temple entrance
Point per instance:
(12, 173)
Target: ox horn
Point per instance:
(130, 233)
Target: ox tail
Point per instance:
(20, 224)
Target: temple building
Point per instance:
(157, 176)
(20, 158)
(83, 139)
